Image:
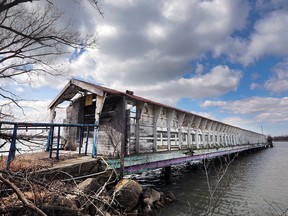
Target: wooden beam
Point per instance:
(99, 106)
(71, 89)
(87, 87)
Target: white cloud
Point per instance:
(254, 86)
(31, 111)
(146, 44)
(156, 32)
(205, 114)
(217, 82)
(278, 82)
(107, 30)
(270, 37)
(148, 80)
(199, 68)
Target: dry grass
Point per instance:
(34, 161)
(28, 162)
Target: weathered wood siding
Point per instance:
(112, 127)
(74, 115)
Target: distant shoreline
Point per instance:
(280, 140)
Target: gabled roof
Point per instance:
(74, 86)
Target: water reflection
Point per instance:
(254, 184)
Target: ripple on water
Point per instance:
(255, 184)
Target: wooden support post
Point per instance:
(197, 138)
(190, 141)
(58, 143)
(203, 139)
(86, 142)
(203, 129)
(168, 174)
(12, 149)
(157, 111)
(51, 141)
(181, 117)
(170, 114)
(139, 109)
(99, 106)
(209, 126)
(94, 145)
(197, 124)
(80, 138)
(127, 132)
(52, 114)
(214, 126)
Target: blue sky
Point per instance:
(227, 60)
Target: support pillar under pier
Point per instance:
(167, 174)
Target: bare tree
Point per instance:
(32, 38)
(116, 140)
(219, 188)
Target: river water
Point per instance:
(253, 184)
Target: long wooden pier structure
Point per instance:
(134, 132)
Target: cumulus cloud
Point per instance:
(264, 109)
(220, 80)
(270, 37)
(143, 44)
(148, 47)
(147, 80)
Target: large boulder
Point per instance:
(127, 193)
(56, 204)
(89, 186)
(169, 196)
(151, 196)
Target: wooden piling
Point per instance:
(167, 174)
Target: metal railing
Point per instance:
(12, 133)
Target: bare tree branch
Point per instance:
(33, 38)
(21, 196)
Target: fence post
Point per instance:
(80, 138)
(58, 143)
(87, 137)
(51, 141)
(94, 147)
(12, 149)
(48, 140)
